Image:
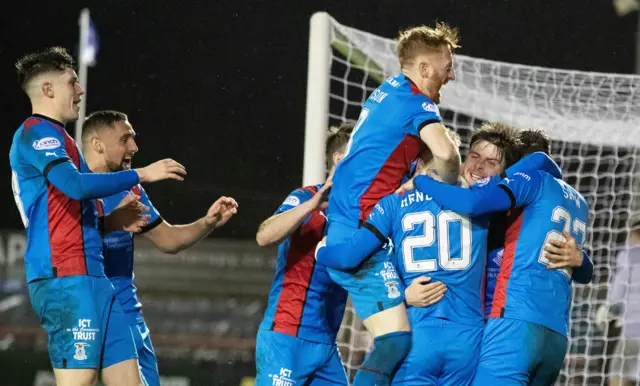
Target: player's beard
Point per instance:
(124, 164)
(114, 167)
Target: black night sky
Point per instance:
(220, 85)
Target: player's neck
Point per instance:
(48, 112)
(417, 80)
(95, 164)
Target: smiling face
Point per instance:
(66, 93)
(118, 145)
(484, 160)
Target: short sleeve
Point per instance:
(155, 219)
(425, 112)
(294, 199)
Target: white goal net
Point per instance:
(593, 119)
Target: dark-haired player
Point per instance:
(296, 342)
(109, 145)
(54, 193)
(532, 298)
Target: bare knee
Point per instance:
(125, 373)
(390, 320)
(75, 377)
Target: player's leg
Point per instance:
(280, 357)
(120, 359)
(462, 353)
(424, 363)
(377, 295)
(146, 354)
(551, 360)
(330, 373)
(71, 312)
(508, 338)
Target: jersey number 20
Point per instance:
(431, 225)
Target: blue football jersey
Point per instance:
(118, 252)
(441, 244)
(384, 143)
(543, 207)
(304, 301)
(495, 250)
(62, 233)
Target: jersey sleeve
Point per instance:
(380, 221)
(522, 188)
(425, 113)
(294, 199)
(155, 219)
(472, 202)
(535, 161)
(42, 146)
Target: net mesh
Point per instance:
(594, 121)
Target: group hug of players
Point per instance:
(461, 273)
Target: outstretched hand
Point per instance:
(221, 211)
(162, 170)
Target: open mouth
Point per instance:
(475, 177)
(76, 104)
(126, 163)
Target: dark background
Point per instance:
(220, 85)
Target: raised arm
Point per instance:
(290, 215)
(473, 202)
(446, 155)
(45, 147)
(175, 238)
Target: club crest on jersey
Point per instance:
(482, 182)
(430, 107)
(292, 201)
(392, 287)
(80, 354)
(47, 143)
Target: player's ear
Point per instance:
(337, 157)
(424, 68)
(97, 145)
(47, 89)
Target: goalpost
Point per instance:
(593, 119)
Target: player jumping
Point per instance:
(54, 193)
(533, 292)
(395, 123)
(109, 145)
(447, 336)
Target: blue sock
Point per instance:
(387, 353)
